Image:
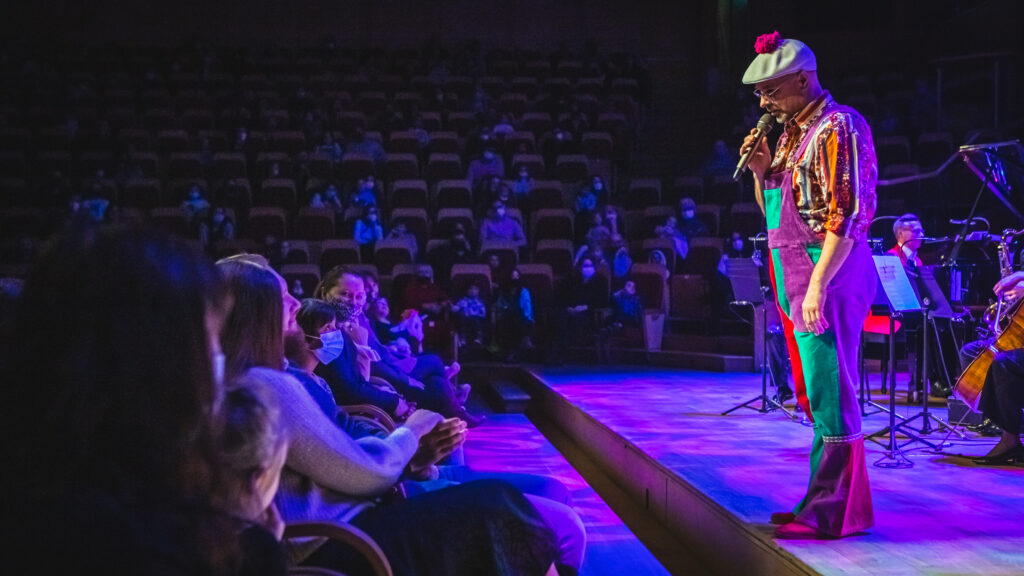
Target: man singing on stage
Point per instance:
(818, 196)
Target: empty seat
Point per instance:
(557, 253)
(143, 193)
(401, 166)
(551, 223)
(711, 216)
(746, 218)
(597, 145)
(184, 165)
(462, 123)
(267, 221)
(228, 165)
(288, 141)
(643, 192)
(444, 166)
(686, 187)
(453, 193)
(410, 193)
(704, 256)
(403, 142)
(338, 251)
(169, 219)
(277, 192)
(444, 141)
(539, 123)
(355, 166)
(391, 251)
(314, 223)
(168, 141)
(571, 168)
(689, 298)
(725, 191)
(546, 194)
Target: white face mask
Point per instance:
(332, 344)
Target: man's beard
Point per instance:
(295, 348)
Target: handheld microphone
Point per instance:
(764, 126)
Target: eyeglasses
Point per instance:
(769, 95)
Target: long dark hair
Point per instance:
(110, 372)
(111, 411)
(253, 333)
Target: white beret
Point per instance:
(781, 58)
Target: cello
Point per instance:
(1006, 321)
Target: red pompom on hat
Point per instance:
(777, 57)
(767, 43)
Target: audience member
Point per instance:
(720, 162)
(500, 226)
(523, 184)
(670, 230)
(253, 452)
(687, 222)
(329, 475)
(429, 380)
(581, 295)
(514, 320)
(120, 429)
(365, 192)
(368, 230)
(471, 317)
(457, 250)
(489, 163)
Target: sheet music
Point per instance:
(895, 282)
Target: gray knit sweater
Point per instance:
(328, 475)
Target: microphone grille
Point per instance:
(766, 123)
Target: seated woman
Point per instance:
(464, 529)
(117, 409)
(346, 288)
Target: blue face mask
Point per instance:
(218, 361)
(332, 344)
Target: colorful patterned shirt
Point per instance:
(834, 180)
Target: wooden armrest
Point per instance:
(382, 384)
(313, 571)
(346, 533)
(372, 413)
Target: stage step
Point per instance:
(505, 396)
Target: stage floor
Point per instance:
(943, 515)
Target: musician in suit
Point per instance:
(909, 234)
(1002, 394)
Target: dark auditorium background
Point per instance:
(695, 50)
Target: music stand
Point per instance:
(933, 305)
(900, 297)
(745, 276)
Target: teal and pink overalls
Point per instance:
(838, 499)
